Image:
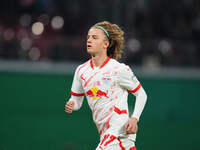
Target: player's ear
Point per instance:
(106, 44)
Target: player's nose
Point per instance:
(90, 39)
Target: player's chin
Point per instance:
(90, 51)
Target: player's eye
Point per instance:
(94, 37)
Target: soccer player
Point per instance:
(106, 84)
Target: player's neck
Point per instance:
(99, 60)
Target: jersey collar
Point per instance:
(106, 61)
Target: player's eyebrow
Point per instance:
(93, 35)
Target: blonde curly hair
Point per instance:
(116, 38)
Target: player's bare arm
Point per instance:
(69, 107)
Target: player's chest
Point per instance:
(97, 79)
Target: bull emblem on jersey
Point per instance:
(96, 93)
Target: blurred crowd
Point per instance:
(157, 32)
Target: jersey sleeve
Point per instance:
(77, 92)
(127, 79)
(77, 89)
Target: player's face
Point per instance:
(96, 41)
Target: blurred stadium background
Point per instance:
(43, 41)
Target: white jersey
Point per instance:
(106, 88)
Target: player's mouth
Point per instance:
(89, 46)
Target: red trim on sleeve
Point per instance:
(77, 94)
(135, 90)
(117, 110)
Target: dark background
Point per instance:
(160, 33)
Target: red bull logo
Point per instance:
(96, 93)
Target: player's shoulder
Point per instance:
(119, 65)
(82, 66)
(122, 70)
